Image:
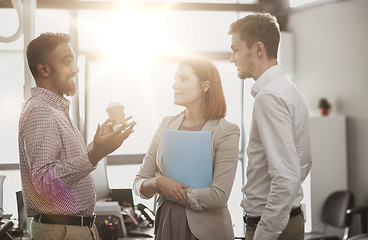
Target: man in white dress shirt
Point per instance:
(279, 155)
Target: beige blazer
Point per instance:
(214, 222)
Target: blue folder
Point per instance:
(187, 157)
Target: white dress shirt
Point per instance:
(279, 153)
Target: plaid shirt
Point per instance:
(54, 164)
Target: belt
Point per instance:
(66, 220)
(253, 221)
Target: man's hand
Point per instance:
(106, 140)
(107, 128)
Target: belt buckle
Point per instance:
(246, 218)
(251, 221)
(92, 220)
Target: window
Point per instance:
(129, 57)
(140, 70)
(141, 78)
(12, 96)
(298, 3)
(12, 75)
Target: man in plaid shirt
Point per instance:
(55, 162)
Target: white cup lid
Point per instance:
(114, 104)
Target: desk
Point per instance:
(16, 236)
(149, 231)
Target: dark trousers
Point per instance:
(294, 230)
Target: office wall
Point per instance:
(331, 60)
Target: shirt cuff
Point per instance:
(193, 198)
(263, 234)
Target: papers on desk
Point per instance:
(187, 157)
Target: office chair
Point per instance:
(2, 178)
(334, 213)
(4, 228)
(359, 237)
(22, 218)
(363, 212)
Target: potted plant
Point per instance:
(324, 105)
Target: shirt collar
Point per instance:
(52, 98)
(264, 78)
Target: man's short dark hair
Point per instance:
(39, 48)
(260, 27)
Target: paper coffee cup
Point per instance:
(115, 110)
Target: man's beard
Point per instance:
(71, 90)
(67, 88)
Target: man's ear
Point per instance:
(260, 49)
(206, 86)
(43, 69)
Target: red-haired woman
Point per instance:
(196, 213)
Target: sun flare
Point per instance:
(136, 37)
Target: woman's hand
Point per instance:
(173, 189)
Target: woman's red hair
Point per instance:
(213, 101)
